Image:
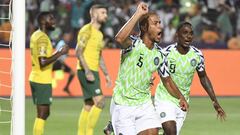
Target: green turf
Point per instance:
(201, 119)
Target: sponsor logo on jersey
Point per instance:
(193, 62)
(156, 61)
(171, 60)
(162, 114)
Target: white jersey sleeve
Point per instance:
(163, 67)
(201, 65)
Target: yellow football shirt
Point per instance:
(40, 46)
(92, 47)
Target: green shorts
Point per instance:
(89, 89)
(41, 93)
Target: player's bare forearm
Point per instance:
(125, 31)
(103, 66)
(207, 85)
(45, 61)
(174, 91)
(79, 54)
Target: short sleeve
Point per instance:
(130, 48)
(163, 67)
(201, 64)
(83, 38)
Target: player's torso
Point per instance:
(182, 69)
(135, 72)
(93, 48)
(40, 75)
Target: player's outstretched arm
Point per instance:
(175, 92)
(44, 61)
(207, 85)
(125, 31)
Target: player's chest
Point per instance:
(182, 64)
(145, 60)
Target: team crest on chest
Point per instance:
(156, 61)
(193, 62)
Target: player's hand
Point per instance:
(142, 8)
(64, 49)
(183, 104)
(220, 112)
(109, 81)
(89, 76)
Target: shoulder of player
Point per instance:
(85, 29)
(39, 36)
(168, 49)
(196, 51)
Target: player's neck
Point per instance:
(44, 29)
(182, 50)
(95, 24)
(149, 43)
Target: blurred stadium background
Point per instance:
(216, 26)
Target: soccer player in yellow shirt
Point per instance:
(41, 75)
(88, 51)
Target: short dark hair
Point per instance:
(41, 16)
(182, 24)
(144, 23)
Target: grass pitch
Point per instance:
(201, 119)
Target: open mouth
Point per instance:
(187, 42)
(159, 33)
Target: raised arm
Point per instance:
(207, 85)
(124, 32)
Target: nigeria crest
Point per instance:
(193, 62)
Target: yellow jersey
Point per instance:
(92, 46)
(40, 46)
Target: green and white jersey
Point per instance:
(136, 68)
(182, 68)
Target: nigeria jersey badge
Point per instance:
(162, 114)
(193, 62)
(156, 61)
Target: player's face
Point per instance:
(154, 28)
(101, 15)
(185, 36)
(50, 22)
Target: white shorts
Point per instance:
(130, 120)
(169, 111)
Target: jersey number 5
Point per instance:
(140, 63)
